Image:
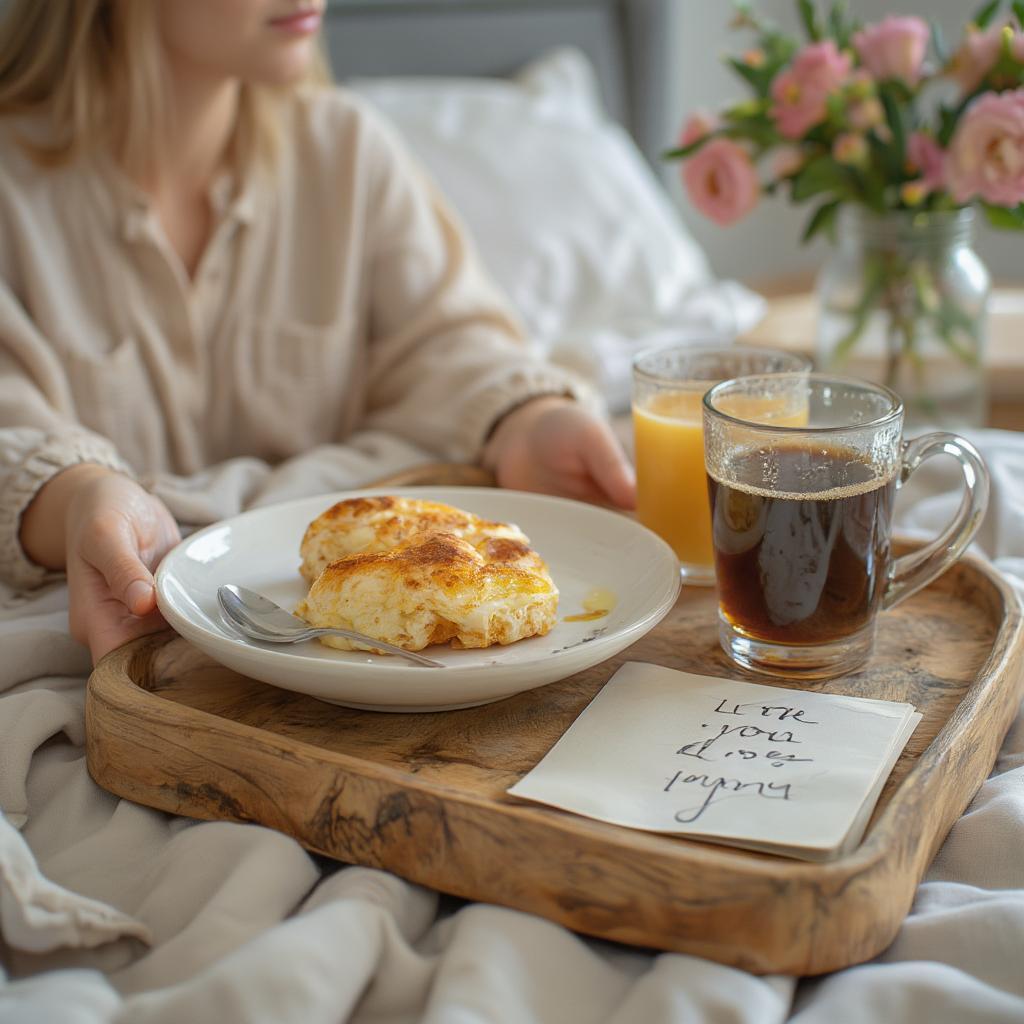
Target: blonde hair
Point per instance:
(93, 69)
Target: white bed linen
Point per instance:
(113, 912)
(568, 215)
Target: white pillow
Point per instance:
(567, 214)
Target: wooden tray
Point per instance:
(424, 795)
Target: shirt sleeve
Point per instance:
(38, 435)
(446, 356)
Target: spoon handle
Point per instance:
(379, 645)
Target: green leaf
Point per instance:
(823, 174)
(759, 79)
(778, 49)
(873, 190)
(895, 116)
(886, 169)
(759, 130)
(1011, 218)
(947, 125)
(823, 219)
(985, 13)
(1018, 10)
(682, 152)
(939, 44)
(840, 25)
(809, 17)
(949, 116)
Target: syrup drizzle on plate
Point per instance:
(598, 603)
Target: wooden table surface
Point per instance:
(791, 319)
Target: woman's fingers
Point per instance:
(98, 619)
(112, 627)
(116, 534)
(111, 548)
(140, 597)
(606, 463)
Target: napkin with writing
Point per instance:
(769, 768)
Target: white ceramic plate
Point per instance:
(586, 548)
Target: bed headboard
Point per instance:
(628, 41)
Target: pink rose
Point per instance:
(894, 48)
(929, 160)
(986, 153)
(976, 57)
(721, 181)
(801, 91)
(699, 124)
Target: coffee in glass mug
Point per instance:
(801, 519)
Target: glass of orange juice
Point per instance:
(668, 386)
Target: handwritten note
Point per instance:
(775, 769)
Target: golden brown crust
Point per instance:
(434, 589)
(360, 525)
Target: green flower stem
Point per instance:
(949, 321)
(910, 295)
(874, 279)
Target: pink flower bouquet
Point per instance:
(840, 120)
(841, 115)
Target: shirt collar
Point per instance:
(231, 198)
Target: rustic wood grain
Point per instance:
(423, 794)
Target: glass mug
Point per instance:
(668, 386)
(802, 516)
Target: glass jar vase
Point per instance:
(903, 301)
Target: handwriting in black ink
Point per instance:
(721, 709)
(779, 711)
(717, 785)
(699, 747)
(778, 759)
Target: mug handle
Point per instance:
(916, 570)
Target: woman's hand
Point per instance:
(109, 535)
(556, 446)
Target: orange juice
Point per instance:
(672, 490)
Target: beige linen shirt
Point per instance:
(337, 293)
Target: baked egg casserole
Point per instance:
(415, 573)
(368, 525)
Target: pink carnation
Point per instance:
(800, 93)
(976, 57)
(894, 48)
(721, 181)
(986, 153)
(929, 160)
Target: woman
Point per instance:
(209, 256)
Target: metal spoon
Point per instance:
(258, 617)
